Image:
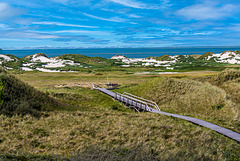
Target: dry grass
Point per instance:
(41, 79)
(189, 97)
(190, 74)
(94, 130)
(112, 135)
(125, 78)
(229, 81)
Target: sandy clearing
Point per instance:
(26, 69)
(6, 58)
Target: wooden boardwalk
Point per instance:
(143, 106)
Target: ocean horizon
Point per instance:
(128, 52)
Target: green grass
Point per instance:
(192, 98)
(112, 135)
(18, 98)
(162, 58)
(92, 126)
(84, 99)
(206, 55)
(85, 60)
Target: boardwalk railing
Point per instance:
(136, 102)
(142, 104)
(148, 102)
(94, 86)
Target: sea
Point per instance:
(128, 52)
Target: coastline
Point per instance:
(129, 52)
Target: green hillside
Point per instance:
(229, 81)
(95, 127)
(95, 61)
(29, 57)
(16, 64)
(193, 98)
(204, 56)
(19, 98)
(161, 58)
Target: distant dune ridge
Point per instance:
(72, 62)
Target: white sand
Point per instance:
(46, 70)
(52, 62)
(148, 62)
(6, 58)
(43, 59)
(227, 57)
(125, 65)
(27, 65)
(8, 68)
(119, 57)
(26, 69)
(168, 73)
(54, 65)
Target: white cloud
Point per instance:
(113, 19)
(62, 24)
(7, 11)
(134, 16)
(4, 27)
(206, 33)
(3, 6)
(61, 1)
(83, 32)
(230, 28)
(207, 11)
(134, 4)
(31, 35)
(73, 2)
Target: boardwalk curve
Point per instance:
(126, 100)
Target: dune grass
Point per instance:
(112, 135)
(95, 127)
(192, 98)
(84, 99)
(17, 97)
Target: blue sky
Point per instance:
(26, 24)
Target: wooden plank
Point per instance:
(229, 133)
(226, 132)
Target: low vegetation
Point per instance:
(19, 98)
(193, 98)
(229, 81)
(86, 60)
(111, 136)
(80, 63)
(77, 123)
(206, 55)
